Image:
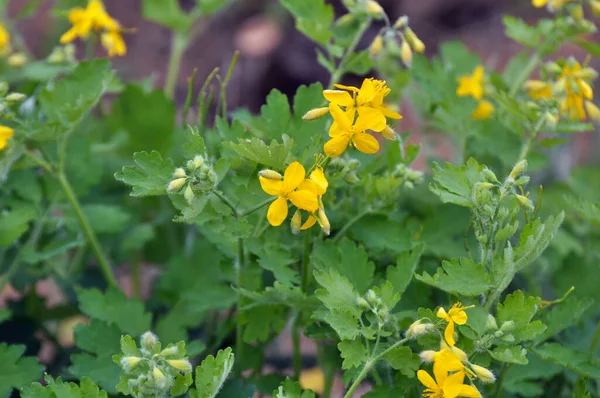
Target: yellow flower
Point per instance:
(6, 133)
(538, 89)
(368, 97)
(285, 189)
(552, 4)
(445, 385)
(4, 38)
(484, 110)
(472, 84)
(457, 315)
(316, 183)
(344, 133)
(113, 42)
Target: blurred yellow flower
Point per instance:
(538, 89)
(472, 85)
(457, 315)
(6, 133)
(317, 183)
(484, 110)
(552, 4)
(4, 38)
(343, 133)
(285, 189)
(113, 42)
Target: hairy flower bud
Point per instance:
(550, 119)
(518, 169)
(375, 47)
(507, 326)
(485, 375)
(270, 175)
(524, 201)
(414, 40)
(315, 113)
(388, 133)
(148, 341)
(401, 22)
(296, 222)
(17, 60)
(182, 365)
(361, 302)
(130, 363)
(188, 194)
(586, 74)
(406, 53)
(179, 173)
(170, 351)
(418, 328)
(427, 356)
(176, 184)
(323, 221)
(159, 377)
(371, 297)
(374, 9)
(491, 322)
(198, 161)
(15, 97)
(345, 19)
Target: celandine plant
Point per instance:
(464, 280)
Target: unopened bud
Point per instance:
(323, 221)
(375, 47)
(595, 5)
(485, 375)
(148, 341)
(498, 333)
(170, 351)
(586, 74)
(418, 329)
(15, 97)
(129, 363)
(592, 111)
(509, 338)
(159, 377)
(176, 184)
(371, 296)
(374, 9)
(523, 180)
(553, 67)
(315, 113)
(489, 175)
(17, 60)
(388, 133)
(485, 185)
(188, 194)
(361, 302)
(345, 19)
(414, 40)
(576, 12)
(270, 174)
(190, 165)
(179, 173)
(491, 322)
(182, 365)
(57, 56)
(401, 22)
(296, 222)
(427, 356)
(518, 169)
(524, 201)
(406, 53)
(351, 178)
(198, 160)
(507, 326)
(550, 119)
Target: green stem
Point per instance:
(179, 43)
(136, 277)
(90, 47)
(239, 330)
(369, 364)
(306, 272)
(525, 73)
(338, 73)
(350, 223)
(503, 371)
(257, 207)
(87, 230)
(297, 355)
(227, 202)
(595, 339)
(529, 142)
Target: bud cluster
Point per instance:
(409, 176)
(7, 99)
(345, 168)
(150, 371)
(372, 302)
(62, 55)
(397, 40)
(199, 178)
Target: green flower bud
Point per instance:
(190, 165)
(419, 328)
(553, 68)
(524, 201)
(148, 341)
(315, 113)
(182, 365)
(491, 322)
(374, 9)
(507, 326)
(130, 363)
(427, 356)
(498, 333)
(179, 173)
(351, 178)
(159, 377)
(485, 375)
(176, 184)
(296, 222)
(401, 22)
(361, 302)
(524, 180)
(509, 338)
(371, 297)
(518, 169)
(489, 175)
(170, 351)
(15, 97)
(188, 194)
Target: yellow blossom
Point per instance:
(369, 96)
(472, 85)
(4, 38)
(113, 43)
(484, 110)
(456, 315)
(6, 133)
(552, 4)
(317, 183)
(376, 46)
(343, 133)
(538, 89)
(445, 385)
(285, 190)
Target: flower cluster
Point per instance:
(574, 7)
(389, 36)
(569, 84)
(14, 59)
(473, 85)
(6, 100)
(201, 179)
(95, 18)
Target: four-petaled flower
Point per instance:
(6, 133)
(473, 85)
(286, 189)
(457, 315)
(445, 385)
(316, 183)
(343, 132)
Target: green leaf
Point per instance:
(406, 264)
(453, 184)
(520, 310)
(104, 219)
(167, 13)
(534, 239)
(338, 293)
(577, 361)
(14, 223)
(563, 315)
(182, 383)
(347, 258)
(515, 67)
(114, 308)
(255, 149)
(129, 347)
(99, 342)
(276, 113)
(359, 63)
(313, 18)
(150, 176)
(510, 354)
(281, 294)
(212, 373)
(59, 389)
(15, 369)
(588, 210)
(278, 261)
(520, 32)
(261, 321)
(292, 389)
(344, 323)
(404, 360)
(137, 238)
(458, 276)
(590, 47)
(353, 352)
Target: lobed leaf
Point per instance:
(458, 276)
(150, 176)
(212, 373)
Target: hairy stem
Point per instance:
(179, 44)
(338, 73)
(257, 207)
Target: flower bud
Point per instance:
(270, 174)
(15, 97)
(485, 375)
(374, 9)
(188, 194)
(498, 333)
(509, 338)
(296, 222)
(401, 22)
(159, 377)
(176, 184)
(345, 19)
(427, 356)
(592, 111)
(351, 178)
(375, 47)
(361, 302)
(491, 322)
(576, 12)
(182, 365)
(57, 56)
(489, 175)
(388, 133)
(17, 60)
(550, 119)
(524, 201)
(130, 363)
(190, 165)
(523, 180)
(170, 351)
(179, 173)
(406, 53)
(148, 341)
(586, 74)
(323, 221)
(371, 296)
(518, 169)
(414, 40)
(198, 161)
(507, 326)
(595, 5)
(485, 185)
(418, 329)
(315, 113)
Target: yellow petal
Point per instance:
(340, 117)
(77, 15)
(277, 212)
(387, 112)
(586, 89)
(426, 379)
(335, 130)
(369, 119)
(449, 360)
(484, 110)
(318, 177)
(6, 132)
(349, 88)
(272, 187)
(592, 111)
(336, 146)
(366, 143)
(469, 391)
(69, 36)
(539, 3)
(449, 334)
(309, 223)
(440, 372)
(441, 313)
(367, 92)
(338, 97)
(305, 200)
(460, 318)
(453, 384)
(293, 176)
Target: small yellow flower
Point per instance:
(285, 190)
(472, 85)
(445, 385)
(343, 133)
(317, 183)
(6, 133)
(113, 43)
(553, 5)
(484, 110)
(4, 38)
(456, 315)
(538, 89)
(370, 95)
